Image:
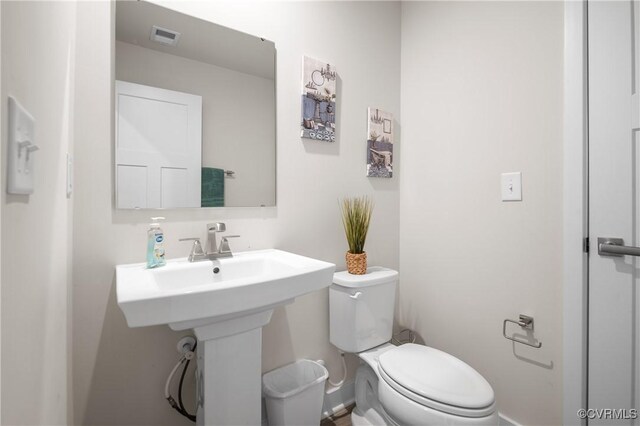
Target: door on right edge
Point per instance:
(614, 206)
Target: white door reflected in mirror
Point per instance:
(158, 147)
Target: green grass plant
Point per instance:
(356, 216)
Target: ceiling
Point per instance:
(200, 40)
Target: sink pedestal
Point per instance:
(229, 377)
(226, 302)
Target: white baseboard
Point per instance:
(506, 421)
(337, 399)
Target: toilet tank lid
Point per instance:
(375, 275)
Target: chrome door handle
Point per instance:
(616, 247)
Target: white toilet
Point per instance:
(401, 385)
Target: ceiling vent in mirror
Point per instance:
(164, 35)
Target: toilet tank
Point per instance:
(361, 308)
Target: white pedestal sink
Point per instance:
(226, 302)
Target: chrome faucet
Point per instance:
(212, 228)
(212, 249)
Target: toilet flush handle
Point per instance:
(356, 295)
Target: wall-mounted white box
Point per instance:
(20, 153)
(511, 185)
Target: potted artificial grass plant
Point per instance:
(356, 216)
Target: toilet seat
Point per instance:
(437, 380)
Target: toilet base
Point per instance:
(368, 410)
(369, 418)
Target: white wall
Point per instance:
(236, 116)
(2, 182)
(482, 95)
(119, 372)
(37, 58)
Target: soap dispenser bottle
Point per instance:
(155, 244)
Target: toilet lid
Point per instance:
(437, 376)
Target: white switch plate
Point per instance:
(21, 149)
(511, 185)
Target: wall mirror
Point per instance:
(194, 112)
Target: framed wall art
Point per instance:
(380, 143)
(318, 100)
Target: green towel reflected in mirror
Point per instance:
(212, 187)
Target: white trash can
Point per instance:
(294, 393)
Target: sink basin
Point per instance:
(226, 302)
(184, 294)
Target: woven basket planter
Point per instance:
(357, 263)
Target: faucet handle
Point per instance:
(224, 244)
(190, 239)
(217, 227)
(196, 249)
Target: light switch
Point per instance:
(21, 150)
(511, 184)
